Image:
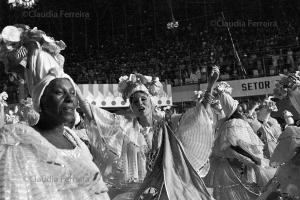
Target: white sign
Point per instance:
(241, 88)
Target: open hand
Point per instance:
(214, 76)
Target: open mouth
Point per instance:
(141, 109)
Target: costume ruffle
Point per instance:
(122, 137)
(32, 168)
(237, 132)
(226, 164)
(196, 135)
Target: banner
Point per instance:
(241, 88)
(107, 95)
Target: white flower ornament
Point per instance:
(198, 95)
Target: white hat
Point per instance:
(229, 105)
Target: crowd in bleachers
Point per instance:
(185, 55)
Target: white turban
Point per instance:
(39, 88)
(229, 105)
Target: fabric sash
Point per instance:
(173, 177)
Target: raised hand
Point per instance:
(213, 77)
(84, 105)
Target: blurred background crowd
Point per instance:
(113, 38)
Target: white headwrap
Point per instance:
(39, 88)
(229, 105)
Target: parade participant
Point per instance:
(147, 142)
(266, 127)
(238, 168)
(48, 160)
(286, 155)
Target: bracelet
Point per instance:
(208, 98)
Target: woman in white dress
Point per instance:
(171, 160)
(48, 160)
(238, 168)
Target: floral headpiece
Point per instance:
(138, 82)
(27, 38)
(228, 104)
(286, 84)
(222, 87)
(22, 3)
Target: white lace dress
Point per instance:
(33, 168)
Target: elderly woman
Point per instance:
(237, 162)
(48, 161)
(172, 160)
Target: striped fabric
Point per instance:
(21, 52)
(172, 177)
(196, 135)
(123, 136)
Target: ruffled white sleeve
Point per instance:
(110, 128)
(121, 136)
(196, 135)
